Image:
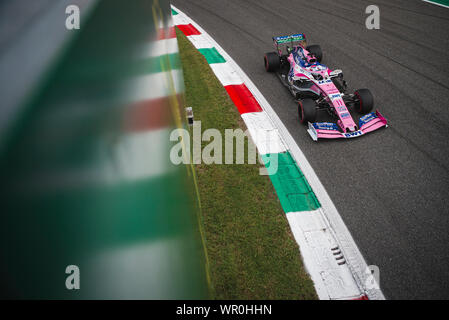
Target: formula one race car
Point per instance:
(317, 88)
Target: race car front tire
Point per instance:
(316, 51)
(271, 61)
(307, 111)
(364, 101)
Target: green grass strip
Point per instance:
(212, 55)
(250, 247)
(291, 186)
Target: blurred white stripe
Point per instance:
(142, 154)
(153, 86)
(160, 47)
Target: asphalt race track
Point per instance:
(391, 187)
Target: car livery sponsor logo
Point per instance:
(367, 118)
(299, 36)
(353, 134)
(344, 115)
(335, 96)
(325, 126)
(294, 37)
(324, 81)
(282, 39)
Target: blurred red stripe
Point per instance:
(169, 33)
(149, 115)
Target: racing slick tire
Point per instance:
(307, 111)
(271, 61)
(364, 101)
(316, 51)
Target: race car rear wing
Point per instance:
(286, 39)
(280, 43)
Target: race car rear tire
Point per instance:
(271, 61)
(364, 101)
(316, 51)
(307, 111)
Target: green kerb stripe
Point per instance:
(173, 12)
(292, 188)
(212, 55)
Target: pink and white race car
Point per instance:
(317, 88)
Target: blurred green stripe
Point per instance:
(122, 68)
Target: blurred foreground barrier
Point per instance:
(85, 174)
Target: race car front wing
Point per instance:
(328, 130)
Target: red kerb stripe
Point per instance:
(188, 29)
(243, 98)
